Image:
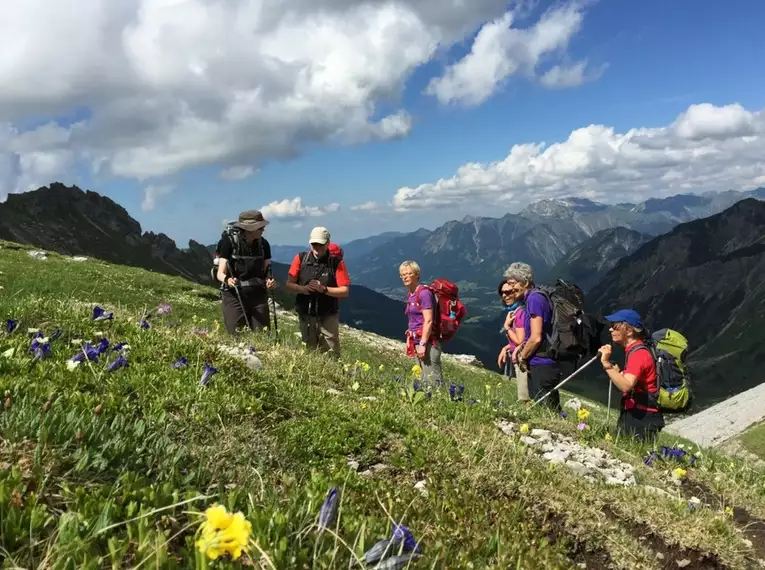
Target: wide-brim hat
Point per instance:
(250, 221)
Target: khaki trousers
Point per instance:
(321, 332)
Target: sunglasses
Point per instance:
(507, 291)
(614, 326)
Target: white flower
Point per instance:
(33, 331)
(9, 353)
(72, 364)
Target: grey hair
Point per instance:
(520, 272)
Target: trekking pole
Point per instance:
(562, 382)
(270, 274)
(608, 411)
(241, 306)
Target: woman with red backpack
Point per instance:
(421, 308)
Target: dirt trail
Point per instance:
(721, 422)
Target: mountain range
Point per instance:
(70, 221)
(693, 263)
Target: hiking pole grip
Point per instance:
(562, 382)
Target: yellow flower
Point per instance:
(416, 371)
(223, 532)
(728, 511)
(363, 405)
(524, 428)
(381, 367)
(608, 437)
(679, 472)
(583, 414)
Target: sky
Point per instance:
(377, 115)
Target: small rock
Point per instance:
(370, 398)
(79, 258)
(378, 467)
(528, 440)
(420, 486)
(659, 556)
(557, 456)
(747, 543)
(573, 404)
(333, 392)
(614, 481)
(683, 563)
(541, 434)
(353, 464)
(507, 427)
(578, 468)
(656, 491)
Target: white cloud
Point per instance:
(159, 86)
(366, 207)
(500, 51)
(705, 148)
(152, 194)
(566, 76)
(237, 172)
(294, 209)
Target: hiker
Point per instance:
(534, 353)
(320, 279)
(515, 320)
(421, 338)
(243, 271)
(640, 414)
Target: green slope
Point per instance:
(107, 469)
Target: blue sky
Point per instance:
(661, 57)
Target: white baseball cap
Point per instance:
(319, 235)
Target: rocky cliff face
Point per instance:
(706, 279)
(71, 221)
(589, 261)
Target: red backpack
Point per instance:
(335, 250)
(451, 311)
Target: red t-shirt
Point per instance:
(640, 364)
(341, 275)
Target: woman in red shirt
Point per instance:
(640, 414)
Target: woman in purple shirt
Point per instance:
(532, 354)
(422, 341)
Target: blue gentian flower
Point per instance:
(328, 512)
(102, 346)
(182, 361)
(456, 392)
(145, 324)
(207, 374)
(416, 386)
(40, 347)
(119, 362)
(100, 315)
(401, 541)
(563, 414)
(87, 352)
(650, 458)
(10, 325)
(119, 346)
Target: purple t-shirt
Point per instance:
(427, 301)
(537, 306)
(519, 322)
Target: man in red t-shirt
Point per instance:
(640, 415)
(319, 279)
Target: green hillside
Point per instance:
(107, 466)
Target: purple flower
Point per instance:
(581, 426)
(207, 374)
(119, 362)
(100, 315)
(40, 347)
(563, 414)
(87, 352)
(119, 346)
(650, 458)
(328, 513)
(252, 349)
(182, 361)
(145, 324)
(10, 325)
(102, 346)
(163, 309)
(456, 392)
(401, 541)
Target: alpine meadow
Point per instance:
(130, 422)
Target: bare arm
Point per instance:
(517, 335)
(338, 292)
(624, 381)
(293, 287)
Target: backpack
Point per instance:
(451, 311)
(571, 334)
(669, 349)
(336, 251)
(234, 236)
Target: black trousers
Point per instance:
(542, 379)
(255, 304)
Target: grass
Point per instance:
(104, 469)
(753, 440)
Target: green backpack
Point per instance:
(670, 351)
